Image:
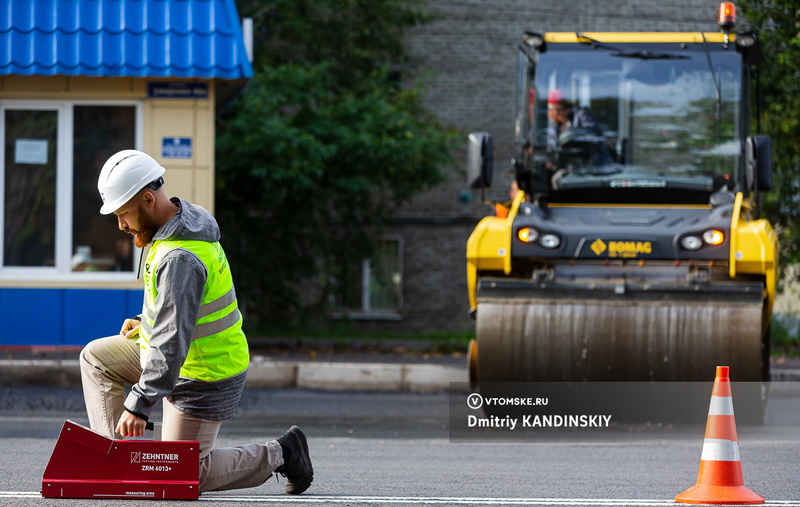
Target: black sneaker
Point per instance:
(298, 470)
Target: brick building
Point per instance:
(467, 60)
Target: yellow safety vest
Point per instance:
(219, 347)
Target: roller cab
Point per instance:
(634, 249)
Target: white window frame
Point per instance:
(366, 312)
(62, 271)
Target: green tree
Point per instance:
(325, 142)
(777, 23)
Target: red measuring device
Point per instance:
(86, 464)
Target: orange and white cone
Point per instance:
(719, 478)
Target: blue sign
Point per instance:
(177, 90)
(176, 147)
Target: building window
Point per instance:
(97, 242)
(29, 193)
(52, 153)
(378, 292)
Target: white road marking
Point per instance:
(423, 500)
(384, 500)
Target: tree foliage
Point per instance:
(325, 142)
(777, 23)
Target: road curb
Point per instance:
(266, 373)
(336, 376)
(40, 372)
(787, 375)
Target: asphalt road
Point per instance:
(373, 448)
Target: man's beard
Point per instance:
(147, 230)
(144, 238)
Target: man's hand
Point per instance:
(130, 328)
(130, 425)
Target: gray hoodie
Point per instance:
(180, 280)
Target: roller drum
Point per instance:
(528, 340)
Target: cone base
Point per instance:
(720, 495)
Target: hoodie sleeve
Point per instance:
(180, 281)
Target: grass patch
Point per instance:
(342, 335)
(785, 334)
(785, 337)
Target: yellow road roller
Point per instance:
(633, 249)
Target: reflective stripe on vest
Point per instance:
(209, 328)
(219, 348)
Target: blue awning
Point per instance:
(123, 38)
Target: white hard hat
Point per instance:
(124, 175)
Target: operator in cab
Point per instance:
(561, 115)
(575, 142)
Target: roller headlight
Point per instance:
(745, 40)
(550, 241)
(711, 237)
(533, 40)
(528, 235)
(691, 242)
(714, 237)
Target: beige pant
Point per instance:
(110, 364)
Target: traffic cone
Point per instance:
(719, 478)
